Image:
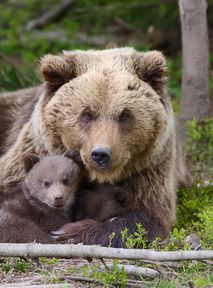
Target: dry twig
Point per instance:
(163, 264)
(88, 279)
(136, 271)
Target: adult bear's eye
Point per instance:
(46, 183)
(125, 115)
(87, 115)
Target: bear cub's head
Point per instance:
(52, 180)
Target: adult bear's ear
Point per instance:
(30, 161)
(151, 68)
(57, 69)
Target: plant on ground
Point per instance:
(17, 264)
(112, 276)
(191, 202)
(48, 261)
(199, 143)
(206, 227)
(176, 240)
(137, 239)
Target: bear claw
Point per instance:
(57, 232)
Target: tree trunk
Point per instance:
(195, 99)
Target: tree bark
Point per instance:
(195, 99)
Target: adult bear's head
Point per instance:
(111, 105)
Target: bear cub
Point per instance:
(40, 203)
(99, 202)
(50, 191)
(95, 201)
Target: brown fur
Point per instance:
(15, 110)
(117, 99)
(100, 202)
(97, 202)
(30, 211)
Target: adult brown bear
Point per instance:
(111, 106)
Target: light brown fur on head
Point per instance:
(105, 108)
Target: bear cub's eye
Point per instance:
(65, 181)
(125, 115)
(46, 183)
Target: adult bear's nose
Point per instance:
(101, 155)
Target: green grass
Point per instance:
(199, 145)
(198, 274)
(110, 277)
(16, 264)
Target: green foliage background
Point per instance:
(126, 22)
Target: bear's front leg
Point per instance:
(90, 232)
(86, 231)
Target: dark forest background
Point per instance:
(145, 25)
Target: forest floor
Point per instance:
(80, 273)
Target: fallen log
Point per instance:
(34, 250)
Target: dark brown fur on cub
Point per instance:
(39, 204)
(100, 202)
(98, 205)
(97, 202)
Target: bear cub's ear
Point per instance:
(30, 161)
(151, 68)
(57, 69)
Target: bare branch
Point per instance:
(21, 76)
(173, 265)
(134, 270)
(52, 15)
(35, 250)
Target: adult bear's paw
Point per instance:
(85, 231)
